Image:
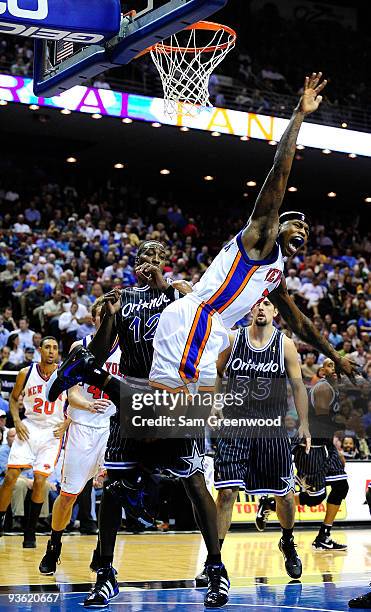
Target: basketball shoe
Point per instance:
(363, 601)
(266, 506)
(218, 586)
(105, 589)
(292, 560)
(324, 542)
(79, 366)
(48, 564)
(132, 498)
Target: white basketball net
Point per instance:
(185, 67)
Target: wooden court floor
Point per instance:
(170, 561)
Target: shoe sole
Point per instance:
(47, 573)
(259, 528)
(216, 607)
(102, 605)
(329, 549)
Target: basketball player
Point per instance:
(192, 332)
(323, 465)
(259, 459)
(137, 314)
(89, 413)
(39, 436)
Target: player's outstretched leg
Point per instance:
(265, 507)
(61, 515)
(78, 367)
(323, 541)
(285, 508)
(205, 511)
(106, 587)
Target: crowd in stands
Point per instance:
(64, 251)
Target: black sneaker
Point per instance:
(201, 579)
(368, 498)
(49, 562)
(70, 373)
(266, 506)
(218, 586)
(95, 561)
(364, 601)
(132, 500)
(105, 589)
(29, 540)
(292, 561)
(326, 543)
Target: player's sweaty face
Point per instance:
(263, 313)
(155, 256)
(293, 236)
(329, 368)
(49, 352)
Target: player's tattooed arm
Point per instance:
(261, 230)
(304, 328)
(21, 429)
(105, 336)
(298, 389)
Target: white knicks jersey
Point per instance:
(234, 284)
(37, 408)
(91, 393)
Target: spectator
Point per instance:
(3, 427)
(24, 333)
(309, 368)
(312, 292)
(16, 354)
(293, 282)
(4, 405)
(359, 355)
(21, 227)
(349, 448)
(8, 320)
(4, 333)
(69, 323)
(334, 337)
(5, 363)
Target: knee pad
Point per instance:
(339, 491)
(311, 500)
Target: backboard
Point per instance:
(77, 40)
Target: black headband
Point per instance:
(291, 215)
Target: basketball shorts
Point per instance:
(40, 452)
(83, 456)
(187, 342)
(320, 467)
(258, 465)
(181, 457)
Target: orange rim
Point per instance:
(160, 47)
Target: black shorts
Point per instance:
(320, 467)
(259, 465)
(182, 457)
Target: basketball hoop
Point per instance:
(186, 61)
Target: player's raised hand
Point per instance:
(347, 366)
(310, 100)
(112, 302)
(22, 431)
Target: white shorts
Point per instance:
(188, 339)
(40, 452)
(83, 456)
